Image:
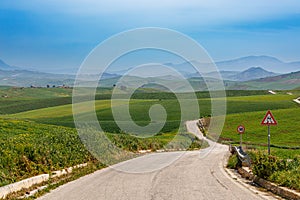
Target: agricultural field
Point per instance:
(38, 134)
(62, 115)
(285, 134)
(29, 149)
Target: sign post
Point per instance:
(269, 120)
(241, 131)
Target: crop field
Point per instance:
(37, 128)
(29, 149)
(15, 100)
(139, 109)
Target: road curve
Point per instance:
(194, 175)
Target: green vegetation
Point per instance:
(282, 82)
(38, 136)
(282, 167)
(232, 162)
(53, 183)
(19, 99)
(139, 109)
(286, 134)
(29, 149)
(281, 171)
(15, 100)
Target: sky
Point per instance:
(57, 35)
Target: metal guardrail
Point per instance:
(242, 155)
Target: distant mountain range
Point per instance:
(267, 62)
(255, 75)
(281, 82)
(25, 78)
(240, 64)
(248, 74)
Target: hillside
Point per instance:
(10, 76)
(281, 82)
(251, 74)
(267, 62)
(25, 78)
(240, 64)
(246, 75)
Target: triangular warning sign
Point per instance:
(269, 119)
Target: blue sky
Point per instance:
(57, 35)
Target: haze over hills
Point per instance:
(251, 73)
(281, 82)
(240, 64)
(267, 62)
(248, 74)
(235, 78)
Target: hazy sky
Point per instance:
(58, 34)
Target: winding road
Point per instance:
(182, 175)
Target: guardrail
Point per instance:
(241, 154)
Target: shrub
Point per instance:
(233, 162)
(281, 171)
(264, 166)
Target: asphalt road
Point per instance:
(181, 175)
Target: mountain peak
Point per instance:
(253, 73)
(255, 69)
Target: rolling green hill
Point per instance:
(40, 135)
(62, 115)
(286, 133)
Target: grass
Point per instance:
(15, 100)
(286, 133)
(139, 110)
(29, 149)
(37, 133)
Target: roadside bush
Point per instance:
(233, 162)
(264, 165)
(289, 178)
(281, 171)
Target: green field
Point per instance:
(37, 128)
(29, 149)
(15, 100)
(286, 133)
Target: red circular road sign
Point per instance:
(241, 129)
